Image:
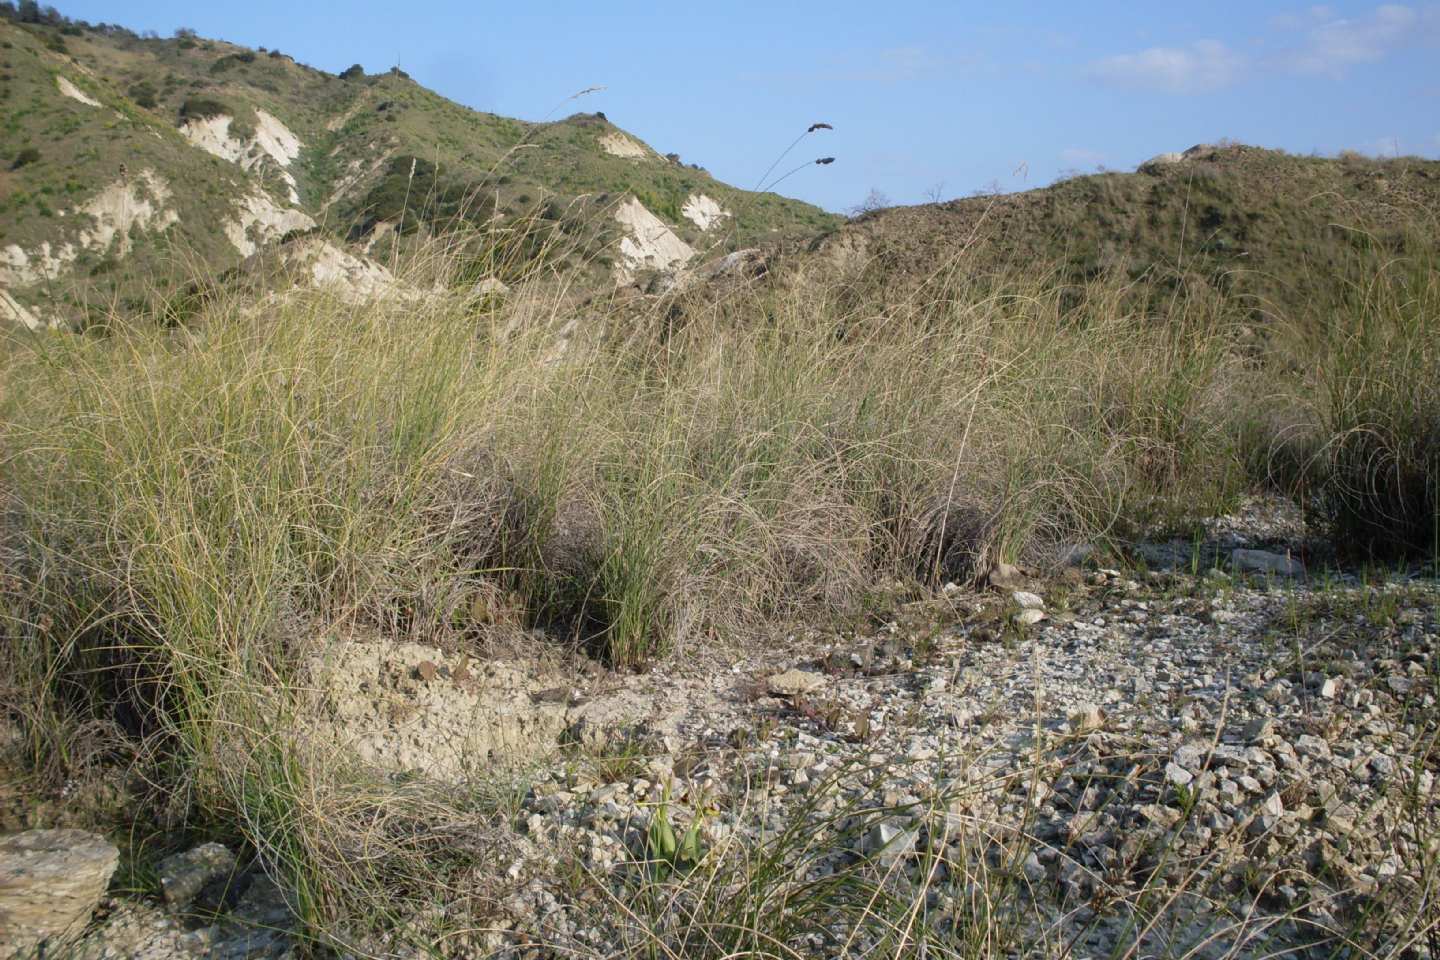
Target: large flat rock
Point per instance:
(50, 883)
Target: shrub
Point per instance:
(1371, 475)
(412, 193)
(242, 129)
(201, 108)
(26, 156)
(224, 63)
(143, 93)
(874, 201)
(353, 72)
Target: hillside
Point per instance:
(1222, 221)
(133, 165)
(130, 164)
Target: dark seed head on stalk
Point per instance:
(819, 126)
(824, 161)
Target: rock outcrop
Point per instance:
(259, 221)
(649, 244)
(75, 93)
(12, 311)
(703, 211)
(1160, 161)
(140, 203)
(619, 145)
(272, 144)
(184, 876)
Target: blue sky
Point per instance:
(926, 98)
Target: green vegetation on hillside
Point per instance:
(61, 153)
(1230, 222)
(357, 132)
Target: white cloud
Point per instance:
(1313, 41)
(1201, 66)
(1332, 45)
(1306, 18)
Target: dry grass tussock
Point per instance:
(186, 509)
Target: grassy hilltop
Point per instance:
(1228, 222)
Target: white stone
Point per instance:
(356, 278)
(1265, 562)
(1178, 775)
(1158, 162)
(887, 842)
(365, 700)
(12, 311)
(184, 875)
(1189, 756)
(489, 287)
(1085, 718)
(136, 203)
(794, 683)
(1027, 601)
(1029, 617)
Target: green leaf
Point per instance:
(661, 836)
(689, 850)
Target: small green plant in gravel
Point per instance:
(664, 849)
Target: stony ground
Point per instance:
(1176, 758)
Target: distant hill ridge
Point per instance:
(1218, 220)
(129, 162)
